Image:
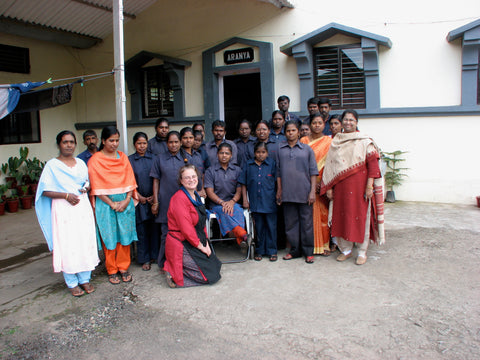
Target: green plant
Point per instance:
(3, 190)
(5, 168)
(24, 190)
(12, 194)
(394, 175)
(34, 168)
(14, 164)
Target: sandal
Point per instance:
(126, 276)
(258, 257)
(325, 253)
(309, 260)
(288, 257)
(113, 279)
(273, 257)
(76, 291)
(170, 281)
(87, 287)
(146, 266)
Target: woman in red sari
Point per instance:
(351, 179)
(189, 257)
(320, 145)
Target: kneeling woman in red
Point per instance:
(189, 258)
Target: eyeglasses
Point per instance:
(194, 177)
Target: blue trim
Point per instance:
(210, 78)
(330, 30)
(174, 68)
(433, 111)
(458, 32)
(470, 35)
(302, 51)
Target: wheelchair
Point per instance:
(249, 228)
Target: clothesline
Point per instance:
(81, 78)
(85, 77)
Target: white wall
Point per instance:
(421, 69)
(441, 158)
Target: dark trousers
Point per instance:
(281, 238)
(148, 241)
(266, 227)
(299, 228)
(163, 239)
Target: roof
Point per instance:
(77, 23)
(330, 30)
(458, 32)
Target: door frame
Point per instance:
(213, 79)
(221, 92)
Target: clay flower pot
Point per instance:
(12, 205)
(26, 201)
(2, 208)
(478, 201)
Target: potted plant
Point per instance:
(34, 168)
(14, 175)
(12, 201)
(393, 176)
(3, 190)
(26, 199)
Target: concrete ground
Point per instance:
(417, 297)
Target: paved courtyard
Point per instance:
(418, 296)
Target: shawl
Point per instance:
(110, 176)
(56, 176)
(320, 148)
(347, 155)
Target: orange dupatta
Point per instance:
(110, 176)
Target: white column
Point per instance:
(120, 99)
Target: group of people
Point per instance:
(313, 190)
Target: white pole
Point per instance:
(120, 99)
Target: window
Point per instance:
(14, 59)
(158, 95)
(470, 36)
(20, 128)
(347, 74)
(339, 76)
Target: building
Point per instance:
(412, 73)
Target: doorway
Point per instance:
(242, 99)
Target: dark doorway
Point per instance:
(242, 100)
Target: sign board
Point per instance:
(238, 56)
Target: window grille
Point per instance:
(339, 76)
(157, 93)
(20, 128)
(14, 59)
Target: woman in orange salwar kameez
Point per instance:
(320, 145)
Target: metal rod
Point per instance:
(120, 99)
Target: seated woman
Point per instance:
(224, 191)
(189, 258)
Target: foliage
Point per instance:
(12, 194)
(24, 190)
(394, 175)
(17, 167)
(3, 190)
(34, 168)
